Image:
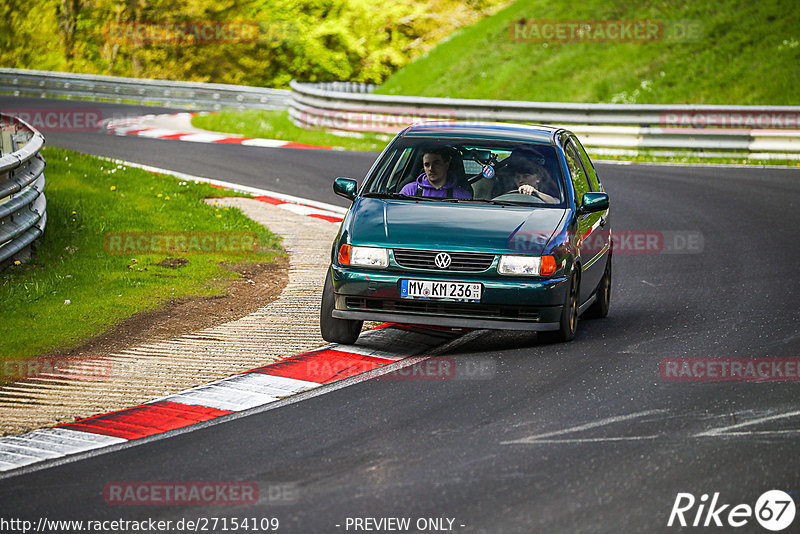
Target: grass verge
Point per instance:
(79, 284)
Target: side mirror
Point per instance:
(345, 187)
(594, 202)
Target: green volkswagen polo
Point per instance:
(486, 226)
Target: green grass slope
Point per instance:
(749, 53)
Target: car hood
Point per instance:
(449, 226)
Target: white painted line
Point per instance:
(22, 446)
(787, 432)
(90, 439)
(123, 130)
(235, 187)
(579, 428)
(725, 429)
(241, 392)
(15, 460)
(10, 453)
(221, 398)
(202, 137)
(265, 143)
(58, 445)
(156, 132)
(367, 351)
(588, 440)
(47, 444)
(270, 384)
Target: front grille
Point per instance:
(461, 261)
(434, 307)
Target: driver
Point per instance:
(436, 181)
(526, 177)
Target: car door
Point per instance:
(603, 234)
(589, 237)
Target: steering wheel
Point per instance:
(534, 192)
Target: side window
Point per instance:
(578, 174)
(588, 165)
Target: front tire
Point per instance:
(342, 331)
(568, 323)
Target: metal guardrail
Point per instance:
(606, 128)
(23, 205)
(350, 108)
(192, 95)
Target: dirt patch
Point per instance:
(261, 283)
(173, 263)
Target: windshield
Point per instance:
(455, 170)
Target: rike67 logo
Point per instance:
(774, 510)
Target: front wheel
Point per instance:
(568, 322)
(343, 331)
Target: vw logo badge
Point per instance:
(443, 260)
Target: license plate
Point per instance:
(437, 289)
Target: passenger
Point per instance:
(436, 181)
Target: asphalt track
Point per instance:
(579, 437)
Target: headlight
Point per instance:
(364, 256)
(527, 265)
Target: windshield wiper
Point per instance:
(516, 203)
(465, 200)
(480, 200)
(394, 195)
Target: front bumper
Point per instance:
(507, 303)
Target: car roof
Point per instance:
(484, 130)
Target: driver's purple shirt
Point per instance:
(429, 191)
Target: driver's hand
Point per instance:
(526, 189)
